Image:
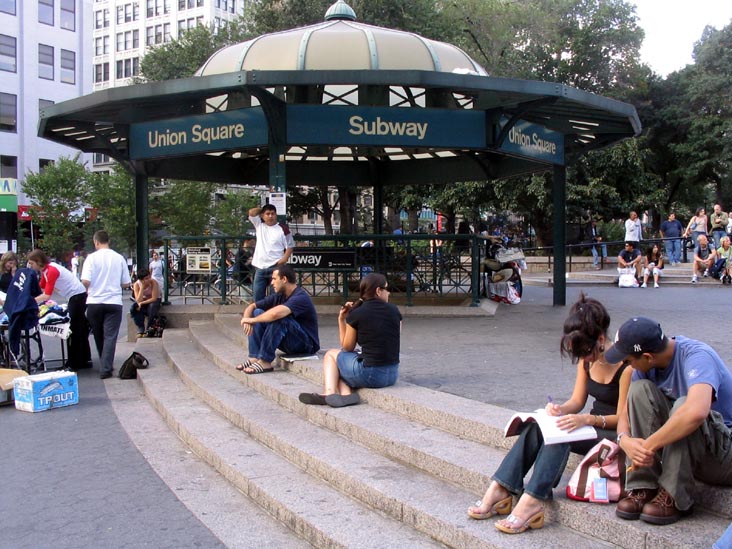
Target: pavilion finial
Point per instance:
(340, 10)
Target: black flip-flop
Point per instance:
(312, 398)
(339, 401)
(258, 369)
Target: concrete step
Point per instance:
(420, 501)
(446, 455)
(317, 512)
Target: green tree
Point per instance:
(231, 212)
(59, 193)
(186, 207)
(183, 57)
(113, 196)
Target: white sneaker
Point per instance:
(655, 284)
(693, 279)
(644, 285)
(706, 273)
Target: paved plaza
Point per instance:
(73, 478)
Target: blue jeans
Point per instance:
(105, 321)
(262, 279)
(548, 460)
(673, 249)
(596, 255)
(139, 314)
(355, 375)
(284, 334)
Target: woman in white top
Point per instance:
(55, 278)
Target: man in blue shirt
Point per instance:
(671, 231)
(678, 423)
(286, 320)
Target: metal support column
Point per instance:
(559, 199)
(142, 216)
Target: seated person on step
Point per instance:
(285, 320)
(704, 257)
(374, 324)
(630, 258)
(653, 265)
(585, 339)
(147, 295)
(677, 425)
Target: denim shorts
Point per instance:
(353, 372)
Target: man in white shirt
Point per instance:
(104, 275)
(633, 230)
(273, 248)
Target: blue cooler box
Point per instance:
(45, 391)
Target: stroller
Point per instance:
(501, 274)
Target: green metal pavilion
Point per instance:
(342, 102)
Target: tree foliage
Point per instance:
(113, 196)
(59, 193)
(187, 207)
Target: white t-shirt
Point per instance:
(75, 266)
(156, 270)
(272, 241)
(632, 230)
(106, 270)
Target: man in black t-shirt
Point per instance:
(286, 320)
(630, 258)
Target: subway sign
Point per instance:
(381, 126)
(219, 131)
(533, 141)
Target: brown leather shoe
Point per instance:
(662, 510)
(630, 507)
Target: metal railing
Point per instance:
(442, 265)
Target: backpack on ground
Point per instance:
(129, 367)
(157, 327)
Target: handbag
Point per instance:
(627, 278)
(603, 467)
(129, 367)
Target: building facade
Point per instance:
(123, 31)
(45, 58)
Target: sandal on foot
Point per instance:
(256, 368)
(243, 365)
(515, 525)
(338, 401)
(501, 507)
(312, 398)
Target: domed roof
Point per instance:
(341, 43)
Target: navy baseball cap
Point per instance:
(637, 335)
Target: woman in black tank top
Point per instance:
(584, 339)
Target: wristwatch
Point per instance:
(620, 435)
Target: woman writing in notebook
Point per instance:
(584, 339)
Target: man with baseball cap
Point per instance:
(678, 423)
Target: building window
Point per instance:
(45, 62)
(7, 6)
(101, 73)
(166, 33)
(128, 40)
(45, 12)
(100, 158)
(101, 19)
(43, 163)
(9, 167)
(68, 67)
(8, 53)
(101, 45)
(43, 103)
(127, 68)
(8, 112)
(68, 14)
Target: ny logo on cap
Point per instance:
(637, 348)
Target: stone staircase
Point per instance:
(586, 275)
(399, 470)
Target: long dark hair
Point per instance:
(368, 286)
(587, 321)
(649, 253)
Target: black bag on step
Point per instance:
(157, 326)
(130, 366)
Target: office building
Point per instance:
(45, 58)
